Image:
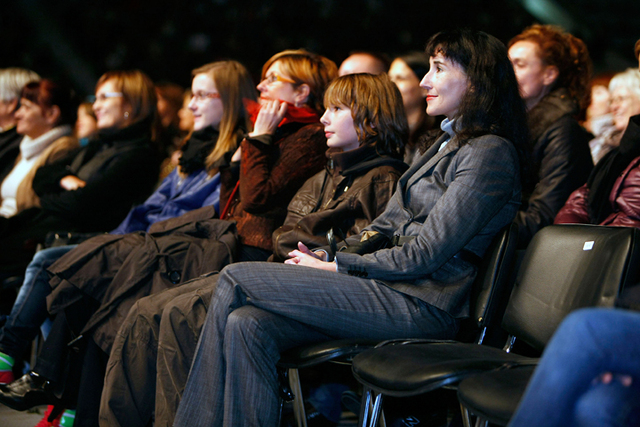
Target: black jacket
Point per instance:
(9, 151)
(561, 162)
(120, 169)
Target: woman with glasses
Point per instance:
(92, 188)
(446, 209)
(285, 147)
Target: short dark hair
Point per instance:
(47, 93)
(492, 104)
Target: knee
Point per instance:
(612, 404)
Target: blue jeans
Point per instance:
(29, 312)
(261, 309)
(562, 391)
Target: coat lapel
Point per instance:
(427, 161)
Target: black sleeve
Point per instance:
(111, 192)
(47, 177)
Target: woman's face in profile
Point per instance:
(445, 83)
(276, 85)
(110, 107)
(408, 84)
(31, 120)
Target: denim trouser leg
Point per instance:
(30, 309)
(259, 310)
(588, 343)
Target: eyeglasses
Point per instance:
(273, 77)
(104, 95)
(203, 96)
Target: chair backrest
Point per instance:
(492, 285)
(567, 267)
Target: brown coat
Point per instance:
(271, 171)
(27, 198)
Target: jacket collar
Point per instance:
(428, 160)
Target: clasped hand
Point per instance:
(304, 256)
(71, 182)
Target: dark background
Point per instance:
(78, 40)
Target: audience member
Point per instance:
(625, 102)
(186, 127)
(553, 70)
(86, 124)
(449, 205)
(598, 113)
(46, 115)
(12, 80)
(196, 183)
(365, 141)
(610, 196)
(285, 146)
(92, 188)
(406, 72)
(588, 375)
(170, 101)
(364, 62)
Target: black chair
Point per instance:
(564, 268)
(488, 301)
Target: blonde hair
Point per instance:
(308, 68)
(377, 110)
(234, 84)
(630, 79)
(12, 80)
(139, 91)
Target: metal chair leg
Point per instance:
(298, 401)
(371, 409)
(376, 410)
(466, 419)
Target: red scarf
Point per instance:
(293, 115)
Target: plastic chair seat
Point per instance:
(494, 396)
(412, 369)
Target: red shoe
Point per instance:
(6, 377)
(44, 422)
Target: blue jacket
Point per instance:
(174, 197)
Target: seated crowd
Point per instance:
(170, 244)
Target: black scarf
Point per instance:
(609, 168)
(196, 150)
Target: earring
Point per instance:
(126, 114)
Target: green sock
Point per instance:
(6, 362)
(68, 417)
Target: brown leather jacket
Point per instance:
(353, 190)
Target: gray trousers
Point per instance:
(260, 310)
(152, 354)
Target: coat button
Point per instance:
(174, 276)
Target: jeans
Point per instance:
(564, 390)
(260, 310)
(29, 311)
